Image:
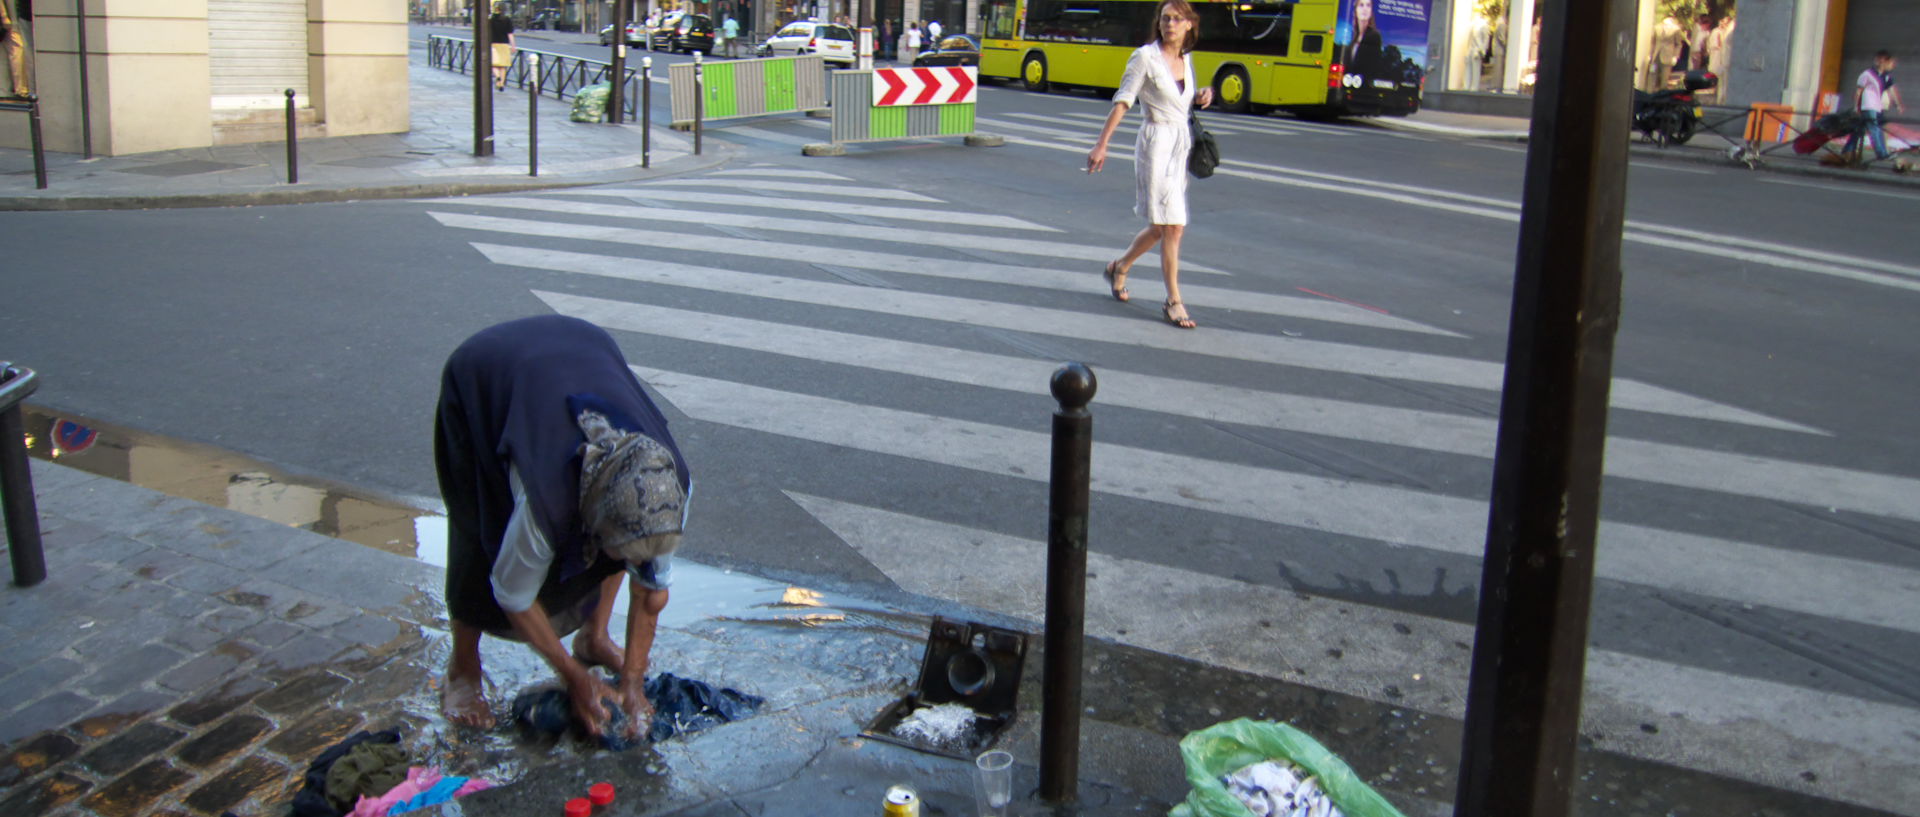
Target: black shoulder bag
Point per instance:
(1205, 154)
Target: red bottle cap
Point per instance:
(579, 807)
(600, 793)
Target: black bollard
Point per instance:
(16, 479)
(293, 155)
(1073, 386)
(39, 149)
(646, 111)
(533, 116)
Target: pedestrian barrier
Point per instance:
(903, 103)
(735, 88)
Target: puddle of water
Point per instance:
(229, 480)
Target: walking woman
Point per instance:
(500, 32)
(1159, 77)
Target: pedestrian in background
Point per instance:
(500, 33)
(933, 33)
(1871, 93)
(730, 37)
(1159, 76)
(912, 47)
(13, 40)
(559, 476)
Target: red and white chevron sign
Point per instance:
(924, 86)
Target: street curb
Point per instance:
(321, 195)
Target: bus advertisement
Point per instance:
(1316, 58)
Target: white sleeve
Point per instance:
(524, 557)
(1131, 80)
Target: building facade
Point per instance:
(170, 74)
(1803, 53)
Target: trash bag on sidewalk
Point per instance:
(590, 104)
(1225, 748)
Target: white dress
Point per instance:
(1160, 152)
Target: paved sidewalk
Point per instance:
(185, 659)
(434, 158)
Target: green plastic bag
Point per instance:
(1225, 748)
(590, 104)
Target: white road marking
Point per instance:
(897, 213)
(1845, 191)
(1649, 165)
(781, 172)
(1745, 728)
(1845, 589)
(801, 187)
(1132, 331)
(1660, 463)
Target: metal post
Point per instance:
(482, 80)
(86, 94)
(646, 112)
(39, 148)
(16, 479)
(617, 81)
(533, 116)
(699, 100)
(293, 155)
(1073, 386)
(1523, 696)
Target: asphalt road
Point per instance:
(855, 352)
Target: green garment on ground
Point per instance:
(370, 769)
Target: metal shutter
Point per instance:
(257, 49)
(1874, 25)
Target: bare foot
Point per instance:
(598, 650)
(463, 700)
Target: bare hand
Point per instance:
(1205, 98)
(587, 692)
(1097, 158)
(633, 698)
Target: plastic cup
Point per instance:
(579, 807)
(993, 783)
(600, 794)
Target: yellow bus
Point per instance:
(1316, 58)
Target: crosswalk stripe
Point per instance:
(1741, 727)
(1292, 305)
(781, 172)
(1808, 583)
(750, 132)
(1215, 124)
(898, 213)
(1316, 309)
(1226, 343)
(1660, 463)
(801, 187)
(1797, 259)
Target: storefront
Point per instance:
(1804, 53)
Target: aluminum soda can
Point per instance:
(901, 801)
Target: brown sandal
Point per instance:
(1117, 281)
(1184, 321)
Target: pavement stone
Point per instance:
(130, 670)
(116, 715)
(131, 747)
(224, 741)
(318, 730)
(133, 792)
(210, 706)
(302, 694)
(45, 713)
(207, 669)
(35, 756)
(241, 781)
(44, 795)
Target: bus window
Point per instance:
(1313, 43)
(1000, 18)
(1245, 28)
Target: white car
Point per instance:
(834, 43)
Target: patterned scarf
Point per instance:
(630, 494)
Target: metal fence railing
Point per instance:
(560, 75)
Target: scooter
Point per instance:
(1669, 117)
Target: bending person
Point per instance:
(559, 477)
(1160, 77)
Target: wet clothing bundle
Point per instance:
(510, 398)
(367, 775)
(311, 800)
(680, 706)
(368, 770)
(422, 787)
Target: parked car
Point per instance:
(684, 33)
(635, 34)
(833, 42)
(953, 49)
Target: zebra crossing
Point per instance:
(753, 270)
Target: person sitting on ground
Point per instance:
(558, 475)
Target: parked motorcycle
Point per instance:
(1670, 116)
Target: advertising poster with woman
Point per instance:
(1383, 45)
(16, 41)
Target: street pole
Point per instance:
(1069, 488)
(1536, 585)
(533, 116)
(616, 100)
(482, 82)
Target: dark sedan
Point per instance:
(684, 33)
(955, 49)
